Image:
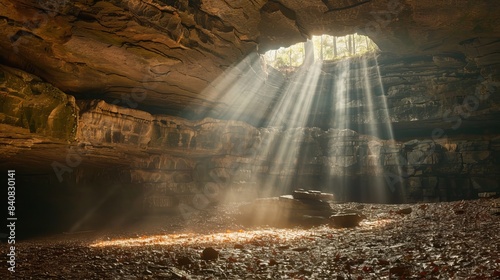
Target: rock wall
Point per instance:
(413, 94)
(29, 103)
(181, 160)
(173, 50)
(123, 162)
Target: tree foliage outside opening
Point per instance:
(326, 48)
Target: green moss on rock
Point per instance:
(27, 102)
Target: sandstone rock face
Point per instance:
(29, 103)
(164, 54)
(121, 48)
(231, 156)
(413, 94)
(172, 162)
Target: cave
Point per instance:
(261, 139)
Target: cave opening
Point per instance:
(324, 48)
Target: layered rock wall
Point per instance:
(171, 159)
(173, 50)
(123, 162)
(184, 158)
(413, 93)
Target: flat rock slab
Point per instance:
(288, 201)
(312, 195)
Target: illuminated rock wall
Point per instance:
(89, 154)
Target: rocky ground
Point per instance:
(455, 240)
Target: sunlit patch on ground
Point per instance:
(241, 236)
(233, 237)
(370, 224)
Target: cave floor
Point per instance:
(452, 240)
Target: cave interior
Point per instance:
(140, 116)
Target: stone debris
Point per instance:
(430, 244)
(495, 207)
(346, 220)
(404, 211)
(184, 260)
(179, 273)
(209, 254)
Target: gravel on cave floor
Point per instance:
(449, 240)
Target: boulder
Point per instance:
(346, 220)
(286, 211)
(209, 254)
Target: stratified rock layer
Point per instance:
(412, 93)
(124, 162)
(168, 52)
(169, 162)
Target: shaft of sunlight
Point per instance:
(341, 90)
(241, 95)
(374, 147)
(393, 176)
(386, 117)
(291, 113)
(233, 93)
(368, 96)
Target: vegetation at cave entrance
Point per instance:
(326, 47)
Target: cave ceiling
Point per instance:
(164, 54)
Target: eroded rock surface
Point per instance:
(171, 160)
(40, 108)
(164, 54)
(127, 162)
(412, 93)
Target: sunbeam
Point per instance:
(241, 93)
(341, 91)
(392, 177)
(368, 96)
(386, 119)
(291, 114)
(292, 107)
(374, 148)
(235, 93)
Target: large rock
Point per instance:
(285, 211)
(345, 220)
